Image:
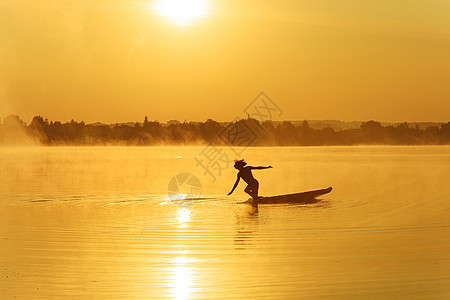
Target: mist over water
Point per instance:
(96, 222)
(240, 132)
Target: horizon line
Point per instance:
(221, 121)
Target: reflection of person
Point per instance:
(246, 174)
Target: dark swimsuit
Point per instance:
(253, 184)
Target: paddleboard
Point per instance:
(305, 197)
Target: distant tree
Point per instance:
(268, 136)
(55, 133)
(372, 132)
(444, 133)
(306, 134)
(173, 122)
(152, 132)
(210, 131)
(371, 126)
(13, 121)
(13, 131)
(38, 127)
(431, 135)
(38, 123)
(328, 136)
(287, 133)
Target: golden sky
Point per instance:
(118, 60)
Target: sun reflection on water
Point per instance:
(182, 274)
(183, 216)
(182, 280)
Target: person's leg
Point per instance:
(248, 190)
(256, 188)
(252, 190)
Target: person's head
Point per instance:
(239, 164)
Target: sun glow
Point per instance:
(182, 11)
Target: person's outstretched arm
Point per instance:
(235, 184)
(261, 168)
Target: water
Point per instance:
(95, 223)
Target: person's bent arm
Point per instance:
(235, 184)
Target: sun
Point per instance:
(182, 12)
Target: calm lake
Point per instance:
(97, 223)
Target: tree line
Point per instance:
(244, 132)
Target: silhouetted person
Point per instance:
(246, 174)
